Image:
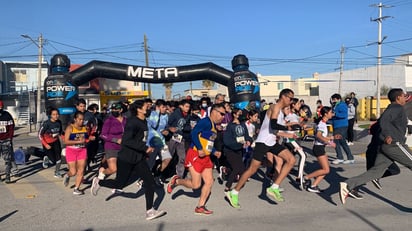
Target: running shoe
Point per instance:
(355, 194)
(15, 172)
(172, 184)
(377, 184)
(202, 210)
(66, 180)
(95, 186)
(117, 191)
(337, 161)
(76, 191)
(343, 192)
(58, 175)
(45, 162)
(8, 180)
(233, 199)
(307, 183)
(275, 193)
(348, 162)
(153, 214)
(314, 189)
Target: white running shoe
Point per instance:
(337, 161)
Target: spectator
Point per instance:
(305, 111)
(355, 103)
(351, 120)
(340, 130)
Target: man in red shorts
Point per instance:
(198, 158)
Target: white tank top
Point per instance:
(266, 135)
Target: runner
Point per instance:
(236, 140)
(112, 132)
(75, 137)
(321, 140)
(131, 160)
(198, 158)
(266, 145)
(393, 123)
(49, 135)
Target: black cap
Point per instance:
(240, 60)
(60, 60)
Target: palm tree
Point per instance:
(208, 84)
(168, 90)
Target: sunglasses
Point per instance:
(221, 113)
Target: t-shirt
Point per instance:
(323, 128)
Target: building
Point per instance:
(18, 88)
(363, 81)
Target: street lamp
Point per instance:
(39, 44)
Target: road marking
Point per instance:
(49, 175)
(22, 189)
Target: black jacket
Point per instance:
(133, 147)
(181, 122)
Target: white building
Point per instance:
(363, 81)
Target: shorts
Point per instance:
(74, 154)
(111, 153)
(261, 149)
(165, 153)
(318, 150)
(198, 163)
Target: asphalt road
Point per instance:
(38, 201)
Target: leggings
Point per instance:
(234, 158)
(127, 171)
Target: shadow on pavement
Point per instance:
(8, 215)
(392, 203)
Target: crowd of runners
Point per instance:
(172, 144)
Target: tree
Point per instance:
(168, 90)
(384, 90)
(208, 84)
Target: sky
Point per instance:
(296, 38)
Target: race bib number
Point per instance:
(209, 147)
(240, 139)
(178, 138)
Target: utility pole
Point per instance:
(379, 61)
(146, 54)
(342, 54)
(39, 45)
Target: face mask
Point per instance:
(204, 105)
(115, 113)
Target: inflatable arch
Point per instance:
(61, 86)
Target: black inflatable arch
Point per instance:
(61, 86)
(118, 71)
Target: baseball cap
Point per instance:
(116, 106)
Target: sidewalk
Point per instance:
(24, 138)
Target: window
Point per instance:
(21, 75)
(280, 86)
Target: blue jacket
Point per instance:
(340, 119)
